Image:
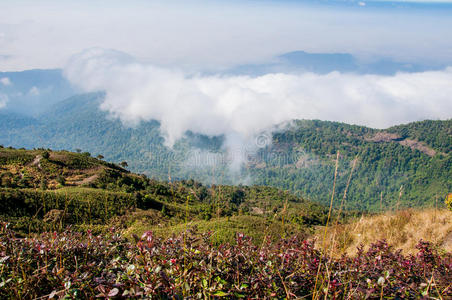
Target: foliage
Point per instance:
(13, 156)
(383, 166)
(75, 189)
(27, 209)
(448, 201)
(225, 228)
(76, 265)
(422, 131)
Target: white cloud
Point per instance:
(3, 100)
(34, 91)
(242, 106)
(5, 81)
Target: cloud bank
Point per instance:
(216, 34)
(5, 81)
(240, 107)
(3, 100)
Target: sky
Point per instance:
(219, 34)
(151, 58)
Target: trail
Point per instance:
(87, 180)
(37, 161)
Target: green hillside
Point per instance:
(413, 158)
(48, 190)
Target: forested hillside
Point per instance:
(410, 164)
(407, 165)
(49, 190)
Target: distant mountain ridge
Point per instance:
(32, 92)
(323, 63)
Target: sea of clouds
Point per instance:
(242, 107)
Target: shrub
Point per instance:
(83, 205)
(45, 155)
(60, 179)
(448, 201)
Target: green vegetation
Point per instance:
(437, 134)
(45, 190)
(74, 265)
(391, 170)
(73, 227)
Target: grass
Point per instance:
(224, 229)
(402, 230)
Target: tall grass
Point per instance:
(324, 244)
(403, 229)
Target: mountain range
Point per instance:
(407, 165)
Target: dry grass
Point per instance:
(402, 230)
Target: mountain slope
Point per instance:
(48, 190)
(412, 160)
(387, 164)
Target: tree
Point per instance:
(45, 155)
(100, 156)
(238, 196)
(60, 179)
(43, 183)
(123, 164)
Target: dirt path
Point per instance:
(87, 180)
(37, 161)
(392, 137)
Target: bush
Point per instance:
(45, 155)
(84, 206)
(60, 179)
(448, 201)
